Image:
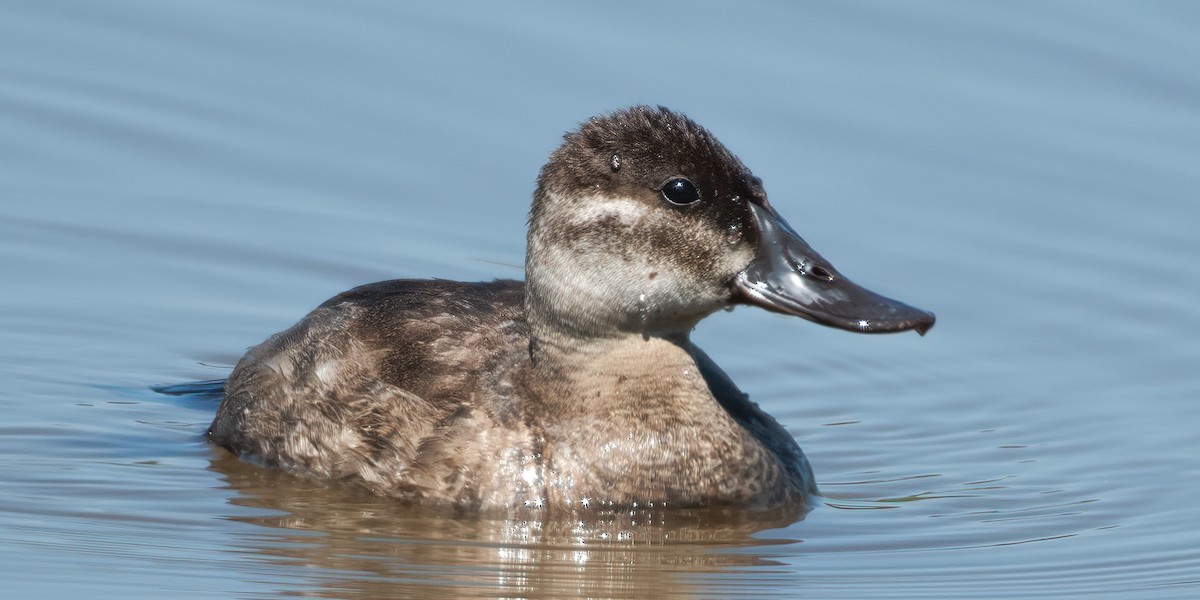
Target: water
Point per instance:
(179, 180)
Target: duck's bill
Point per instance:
(789, 277)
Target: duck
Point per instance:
(579, 387)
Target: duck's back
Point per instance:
(365, 386)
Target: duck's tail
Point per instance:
(212, 388)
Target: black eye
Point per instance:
(680, 191)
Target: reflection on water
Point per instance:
(364, 546)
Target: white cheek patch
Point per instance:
(594, 209)
(606, 274)
(611, 289)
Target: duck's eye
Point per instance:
(680, 191)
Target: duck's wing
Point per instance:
(360, 386)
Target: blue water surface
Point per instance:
(179, 180)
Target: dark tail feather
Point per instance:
(214, 388)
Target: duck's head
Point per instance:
(643, 222)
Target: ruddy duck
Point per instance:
(579, 387)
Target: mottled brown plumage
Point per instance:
(580, 387)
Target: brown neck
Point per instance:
(616, 373)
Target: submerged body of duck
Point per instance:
(580, 386)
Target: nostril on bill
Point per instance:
(818, 272)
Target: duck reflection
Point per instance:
(346, 542)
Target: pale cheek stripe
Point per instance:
(591, 209)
